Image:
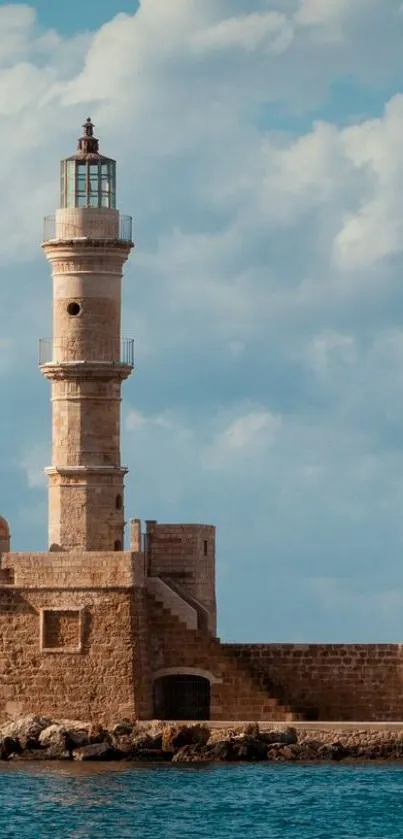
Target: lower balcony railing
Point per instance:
(89, 227)
(79, 350)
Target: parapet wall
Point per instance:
(74, 569)
(330, 681)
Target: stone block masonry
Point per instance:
(73, 569)
(330, 681)
(94, 681)
(81, 635)
(72, 637)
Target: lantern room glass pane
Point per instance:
(81, 176)
(69, 197)
(81, 180)
(62, 185)
(94, 173)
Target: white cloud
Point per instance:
(375, 230)
(135, 420)
(247, 436)
(33, 463)
(330, 349)
(318, 13)
(269, 30)
(16, 27)
(250, 431)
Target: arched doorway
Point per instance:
(181, 697)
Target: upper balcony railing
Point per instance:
(80, 350)
(60, 230)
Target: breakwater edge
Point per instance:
(41, 738)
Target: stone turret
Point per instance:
(4, 536)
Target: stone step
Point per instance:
(262, 678)
(241, 675)
(172, 602)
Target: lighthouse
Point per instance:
(87, 243)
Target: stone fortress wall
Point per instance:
(87, 634)
(329, 681)
(66, 624)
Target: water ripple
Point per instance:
(201, 802)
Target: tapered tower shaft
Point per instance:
(87, 244)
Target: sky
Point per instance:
(260, 152)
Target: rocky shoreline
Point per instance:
(40, 738)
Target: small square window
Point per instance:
(61, 630)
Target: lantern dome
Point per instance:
(88, 179)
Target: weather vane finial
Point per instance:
(88, 127)
(88, 144)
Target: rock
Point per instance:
(175, 737)
(331, 751)
(26, 728)
(252, 729)
(192, 754)
(399, 750)
(124, 746)
(98, 734)
(42, 754)
(154, 755)
(148, 741)
(307, 751)
(250, 748)
(57, 753)
(122, 728)
(29, 744)
(77, 737)
(221, 750)
(279, 751)
(288, 736)
(38, 738)
(54, 736)
(310, 750)
(8, 746)
(218, 735)
(95, 751)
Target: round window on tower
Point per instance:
(73, 309)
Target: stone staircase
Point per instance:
(236, 693)
(169, 598)
(300, 711)
(201, 612)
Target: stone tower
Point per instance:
(87, 243)
(89, 630)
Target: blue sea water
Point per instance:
(241, 801)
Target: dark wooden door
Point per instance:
(182, 697)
